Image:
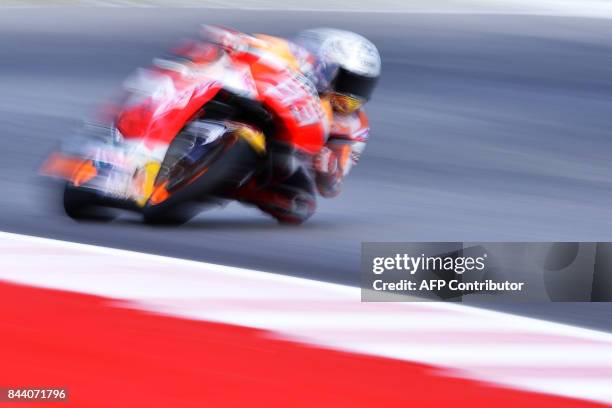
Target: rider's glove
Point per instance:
(331, 165)
(326, 162)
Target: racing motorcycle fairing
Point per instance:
(221, 102)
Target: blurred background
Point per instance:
(489, 124)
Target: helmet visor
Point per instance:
(354, 84)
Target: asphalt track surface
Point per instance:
(485, 127)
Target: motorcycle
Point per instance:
(188, 132)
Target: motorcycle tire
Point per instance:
(83, 204)
(235, 165)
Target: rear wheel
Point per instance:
(83, 204)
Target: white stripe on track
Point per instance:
(492, 346)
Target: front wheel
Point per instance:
(223, 169)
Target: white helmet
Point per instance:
(347, 63)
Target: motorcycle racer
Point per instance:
(295, 107)
(344, 68)
(347, 70)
